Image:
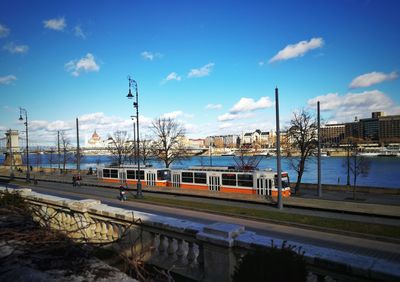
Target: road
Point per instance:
(379, 249)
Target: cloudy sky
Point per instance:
(212, 65)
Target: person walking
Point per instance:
(122, 192)
(73, 180)
(78, 180)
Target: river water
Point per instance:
(383, 171)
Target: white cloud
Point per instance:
(171, 76)
(172, 115)
(227, 117)
(213, 106)
(225, 125)
(150, 56)
(16, 49)
(4, 31)
(79, 32)
(248, 104)
(45, 132)
(87, 64)
(203, 71)
(298, 49)
(4, 80)
(55, 24)
(372, 78)
(346, 107)
(234, 116)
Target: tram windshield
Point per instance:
(285, 182)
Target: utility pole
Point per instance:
(78, 154)
(278, 151)
(58, 150)
(348, 163)
(319, 151)
(134, 141)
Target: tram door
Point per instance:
(176, 179)
(151, 178)
(263, 186)
(214, 183)
(122, 176)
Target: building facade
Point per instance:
(379, 128)
(332, 134)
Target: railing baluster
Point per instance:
(170, 249)
(161, 245)
(191, 255)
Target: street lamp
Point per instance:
(134, 138)
(133, 84)
(23, 111)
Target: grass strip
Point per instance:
(322, 222)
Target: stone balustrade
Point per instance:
(194, 250)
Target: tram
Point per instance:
(219, 179)
(129, 174)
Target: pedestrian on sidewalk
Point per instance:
(122, 192)
(73, 180)
(78, 180)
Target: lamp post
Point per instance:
(23, 111)
(134, 139)
(133, 84)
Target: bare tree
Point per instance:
(145, 149)
(246, 161)
(51, 157)
(168, 146)
(38, 158)
(120, 147)
(356, 165)
(65, 147)
(302, 138)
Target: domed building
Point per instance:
(95, 140)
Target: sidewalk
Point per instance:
(371, 204)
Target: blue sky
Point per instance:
(212, 65)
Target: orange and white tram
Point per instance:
(230, 180)
(129, 174)
(222, 179)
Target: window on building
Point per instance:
(229, 179)
(245, 180)
(187, 177)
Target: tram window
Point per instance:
(113, 173)
(200, 177)
(269, 183)
(187, 177)
(131, 174)
(229, 179)
(141, 173)
(245, 180)
(106, 173)
(163, 175)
